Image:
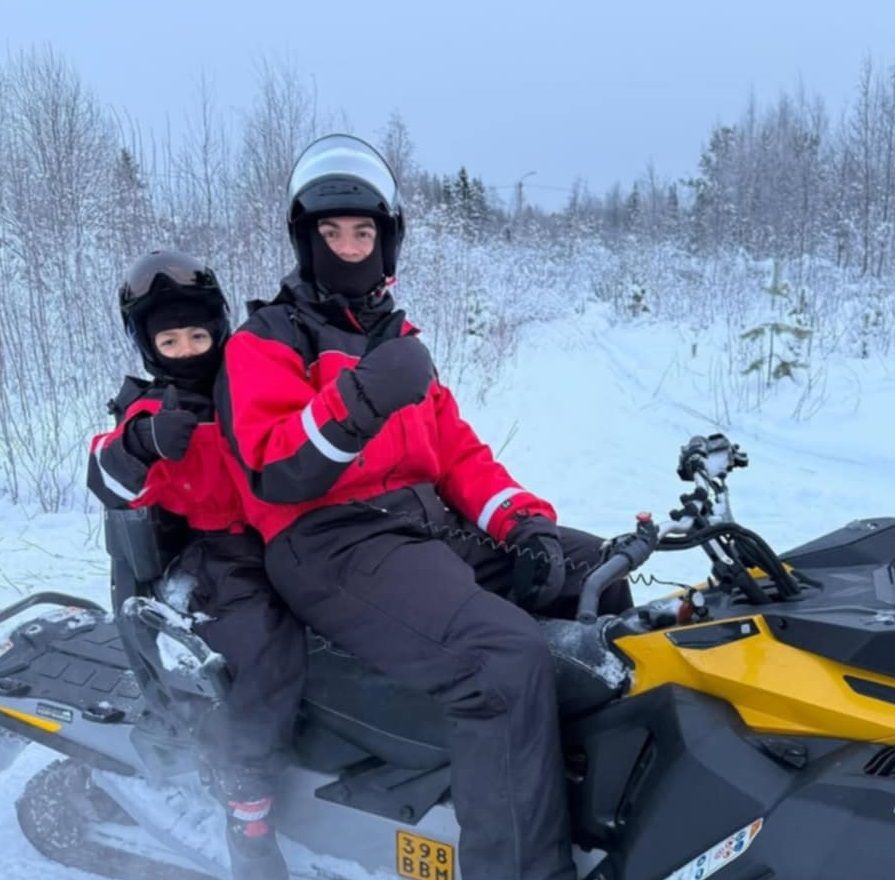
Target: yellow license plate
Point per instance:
(421, 858)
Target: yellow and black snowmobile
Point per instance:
(743, 728)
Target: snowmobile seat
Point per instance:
(370, 711)
(406, 728)
(398, 725)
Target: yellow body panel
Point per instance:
(33, 720)
(775, 688)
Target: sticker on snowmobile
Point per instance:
(57, 713)
(720, 855)
(421, 858)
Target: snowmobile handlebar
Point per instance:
(704, 461)
(595, 583)
(623, 555)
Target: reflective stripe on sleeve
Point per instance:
(492, 504)
(320, 443)
(109, 481)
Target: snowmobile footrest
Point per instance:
(393, 792)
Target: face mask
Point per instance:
(335, 275)
(195, 373)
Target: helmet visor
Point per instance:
(341, 155)
(176, 268)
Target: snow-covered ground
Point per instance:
(591, 416)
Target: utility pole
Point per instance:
(519, 196)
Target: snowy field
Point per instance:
(591, 415)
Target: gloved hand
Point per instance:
(167, 434)
(395, 374)
(539, 569)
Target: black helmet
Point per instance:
(170, 279)
(341, 174)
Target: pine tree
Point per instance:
(781, 341)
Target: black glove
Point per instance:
(395, 374)
(167, 434)
(539, 569)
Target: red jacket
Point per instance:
(284, 415)
(199, 487)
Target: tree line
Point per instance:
(83, 192)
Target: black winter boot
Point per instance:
(251, 834)
(252, 841)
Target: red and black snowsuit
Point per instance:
(245, 621)
(388, 547)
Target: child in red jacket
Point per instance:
(167, 450)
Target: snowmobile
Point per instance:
(743, 727)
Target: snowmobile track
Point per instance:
(55, 811)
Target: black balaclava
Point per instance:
(196, 373)
(337, 276)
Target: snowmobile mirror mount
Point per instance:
(712, 458)
(707, 462)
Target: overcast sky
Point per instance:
(559, 87)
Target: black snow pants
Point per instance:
(414, 591)
(264, 644)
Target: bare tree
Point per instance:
(868, 168)
(58, 157)
(398, 150)
(282, 120)
(192, 184)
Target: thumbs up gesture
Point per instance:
(167, 434)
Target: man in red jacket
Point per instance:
(390, 527)
(167, 450)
